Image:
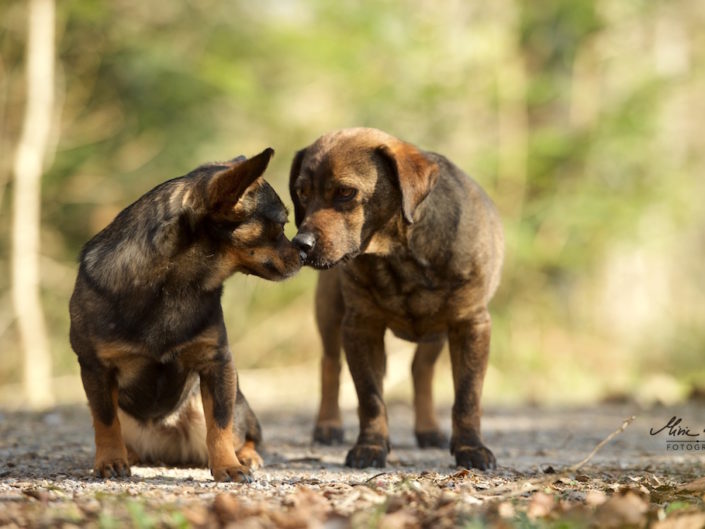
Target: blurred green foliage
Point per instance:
(582, 119)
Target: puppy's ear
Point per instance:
(415, 173)
(299, 211)
(225, 188)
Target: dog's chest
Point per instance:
(156, 390)
(415, 301)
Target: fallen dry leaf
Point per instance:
(401, 519)
(540, 506)
(228, 508)
(38, 494)
(622, 509)
(506, 510)
(595, 497)
(307, 499)
(197, 515)
(694, 520)
(697, 485)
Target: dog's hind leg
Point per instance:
(329, 317)
(248, 428)
(428, 433)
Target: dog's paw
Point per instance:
(249, 456)
(234, 473)
(479, 457)
(328, 434)
(431, 439)
(361, 456)
(111, 468)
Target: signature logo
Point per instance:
(680, 437)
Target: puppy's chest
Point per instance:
(155, 389)
(151, 384)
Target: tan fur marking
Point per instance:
(186, 197)
(222, 459)
(249, 232)
(110, 352)
(176, 193)
(379, 426)
(110, 450)
(329, 412)
(221, 449)
(422, 370)
(423, 402)
(124, 358)
(249, 456)
(199, 352)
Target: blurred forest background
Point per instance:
(584, 120)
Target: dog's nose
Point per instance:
(304, 242)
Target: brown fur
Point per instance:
(111, 453)
(415, 246)
(147, 325)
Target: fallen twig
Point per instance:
(511, 490)
(376, 476)
(602, 443)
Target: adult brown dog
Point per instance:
(417, 247)
(147, 324)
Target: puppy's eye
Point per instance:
(344, 194)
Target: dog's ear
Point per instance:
(299, 211)
(225, 188)
(416, 174)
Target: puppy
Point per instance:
(147, 324)
(413, 245)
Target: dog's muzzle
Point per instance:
(304, 242)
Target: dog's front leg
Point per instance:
(329, 318)
(469, 342)
(363, 341)
(218, 391)
(102, 393)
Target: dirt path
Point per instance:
(45, 462)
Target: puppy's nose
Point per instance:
(304, 242)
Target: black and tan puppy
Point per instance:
(147, 324)
(417, 248)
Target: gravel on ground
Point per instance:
(46, 481)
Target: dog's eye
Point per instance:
(302, 194)
(343, 194)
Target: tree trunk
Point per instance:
(28, 167)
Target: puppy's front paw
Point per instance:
(111, 467)
(328, 434)
(479, 457)
(234, 473)
(249, 456)
(365, 455)
(432, 439)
